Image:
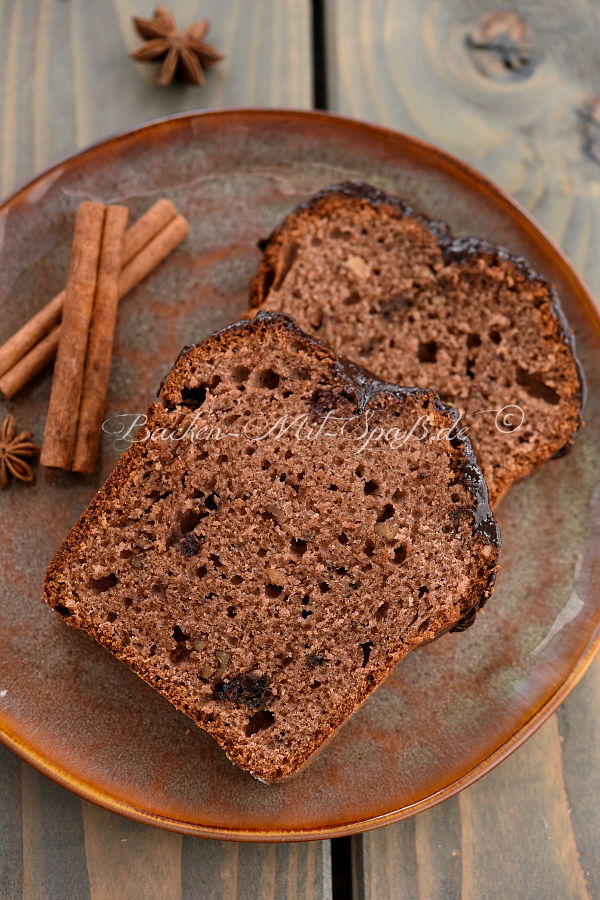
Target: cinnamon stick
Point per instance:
(100, 344)
(65, 395)
(140, 265)
(33, 331)
(136, 237)
(153, 253)
(31, 364)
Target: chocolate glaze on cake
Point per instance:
(263, 582)
(398, 294)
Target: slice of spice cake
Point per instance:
(396, 293)
(268, 570)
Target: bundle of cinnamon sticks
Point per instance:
(78, 325)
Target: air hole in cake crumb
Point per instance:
(469, 371)
(181, 651)
(386, 513)
(424, 625)
(223, 458)
(240, 374)
(366, 650)
(210, 502)
(352, 299)
(237, 579)
(473, 340)
(341, 570)
(250, 451)
(193, 397)
(427, 352)
(399, 555)
(382, 610)
(324, 587)
(180, 635)
(112, 617)
(259, 721)
(370, 486)
(316, 683)
(343, 538)
(306, 599)
(534, 386)
(189, 519)
(369, 548)
(265, 464)
(268, 379)
(128, 602)
(298, 546)
(273, 590)
(63, 610)
(99, 585)
(231, 612)
(397, 496)
(201, 571)
(495, 336)
(261, 552)
(422, 591)
(216, 560)
(306, 613)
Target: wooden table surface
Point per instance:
(522, 111)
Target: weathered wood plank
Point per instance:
(127, 859)
(216, 870)
(11, 833)
(66, 79)
(531, 828)
(406, 64)
(579, 725)
(54, 866)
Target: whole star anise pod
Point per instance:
(184, 53)
(13, 447)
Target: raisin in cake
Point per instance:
(266, 581)
(397, 294)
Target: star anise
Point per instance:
(13, 447)
(184, 53)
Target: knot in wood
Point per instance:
(502, 46)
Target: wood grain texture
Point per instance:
(531, 829)
(256, 871)
(66, 79)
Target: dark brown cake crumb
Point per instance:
(266, 584)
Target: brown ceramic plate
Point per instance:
(448, 713)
